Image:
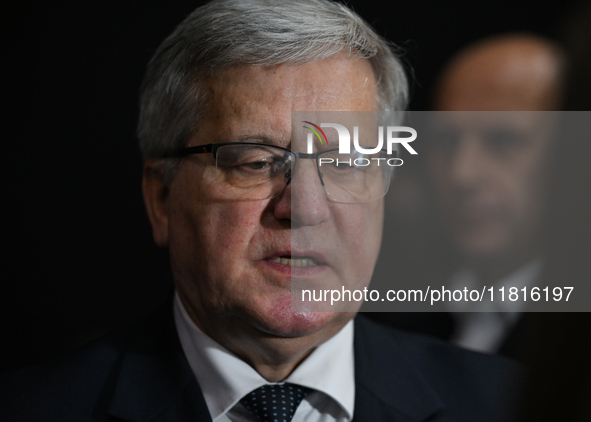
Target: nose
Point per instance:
(303, 201)
(467, 163)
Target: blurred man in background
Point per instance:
(488, 173)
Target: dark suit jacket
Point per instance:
(141, 374)
(442, 326)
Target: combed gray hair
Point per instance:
(225, 33)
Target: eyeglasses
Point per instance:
(253, 171)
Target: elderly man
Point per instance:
(240, 219)
(490, 177)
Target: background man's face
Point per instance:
(489, 170)
(223, 250)
(489, 167)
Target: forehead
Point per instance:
(245, 101)
(509, 77)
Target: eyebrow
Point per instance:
(260, 139)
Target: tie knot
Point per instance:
(276, 402)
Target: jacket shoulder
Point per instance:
(465, 382)
(73, 383)
(72, 387)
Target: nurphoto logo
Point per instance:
(345, 142)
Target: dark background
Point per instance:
(79, 257)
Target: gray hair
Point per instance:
(224, 33)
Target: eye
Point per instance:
(342, 165)
(352, 163)
(258, 165)
(269, 166)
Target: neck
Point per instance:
(273, 356)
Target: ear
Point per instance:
(155, 192)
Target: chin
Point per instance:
(281, 321)
(482, 240)
(483, 248)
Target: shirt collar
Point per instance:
(225, 379)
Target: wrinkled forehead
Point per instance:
(245, 101)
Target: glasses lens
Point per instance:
(355, 177)
(252, 171)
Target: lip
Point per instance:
(288, 270)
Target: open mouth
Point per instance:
(296, 262)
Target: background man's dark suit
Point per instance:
(442, 326)
(141, 374)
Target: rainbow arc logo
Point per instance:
(323, 139)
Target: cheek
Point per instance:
(361, 231)
(228, 229)
(214, 242)
(527, 199)
(375, 225)
(207, 232)
(521, 184)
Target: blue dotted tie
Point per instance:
(275, 403)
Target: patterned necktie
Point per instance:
(275, 403)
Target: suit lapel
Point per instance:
(155, 381)
(388, 384)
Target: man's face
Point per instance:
(489, 166)
(489, 172)
(223, 250)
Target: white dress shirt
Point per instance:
(482, 326)
(224, 378)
